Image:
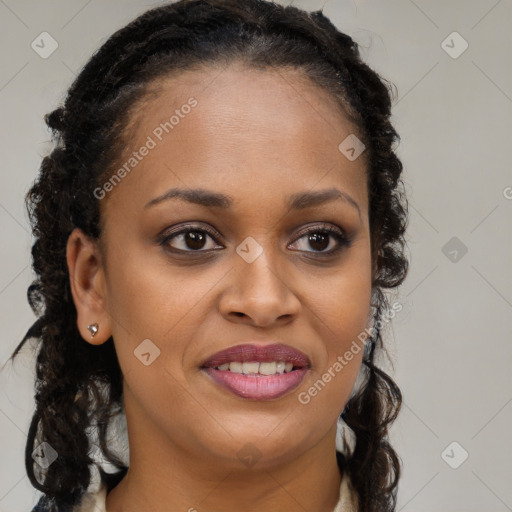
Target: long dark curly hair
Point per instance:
(78, 385)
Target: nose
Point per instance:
(259, 295)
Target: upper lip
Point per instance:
(258, 353)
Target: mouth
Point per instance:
(258, 372)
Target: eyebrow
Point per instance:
(212, 199)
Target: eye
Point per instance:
(190, 239)
(322, 239)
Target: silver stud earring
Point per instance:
(93, 329)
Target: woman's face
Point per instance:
(207, 248)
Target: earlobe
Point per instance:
(87, 282)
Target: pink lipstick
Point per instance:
(258, 372)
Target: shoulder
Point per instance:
(90, 502)
(94, 500)
(46, 504)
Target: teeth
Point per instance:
(255, 368)
(280, 366)
(250, 368)
(235, 367)
(268, 368)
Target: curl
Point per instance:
(72, 375)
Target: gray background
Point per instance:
(451, 342)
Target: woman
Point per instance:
(215, 229)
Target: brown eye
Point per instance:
(190, 239)
(194, 239)
(319, 241)
(326, 240)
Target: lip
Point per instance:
(260, 353)
(258, 387)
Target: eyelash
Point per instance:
(336, 233)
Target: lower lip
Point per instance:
(257, 387)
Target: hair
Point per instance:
(79, 385)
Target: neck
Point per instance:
(162, 476)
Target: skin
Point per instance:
(259, 137)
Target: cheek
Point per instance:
(150, 299)
(341, 299)
(333, 377)
(341, 308)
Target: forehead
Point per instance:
(268, 101)
(234, 125)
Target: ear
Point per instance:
(87, 281)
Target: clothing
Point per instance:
(95, 502)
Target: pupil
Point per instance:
(194, 239)
(316, 238)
